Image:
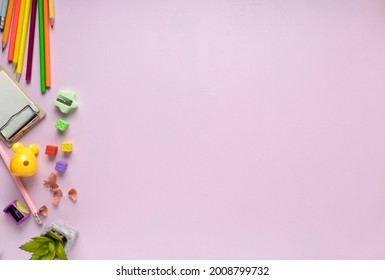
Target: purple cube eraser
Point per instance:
(61, 166)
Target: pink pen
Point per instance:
(21, 187)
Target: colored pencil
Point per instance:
(47, 48)
(15, 21)
(21, 187)
(51, 12)
(41, 45)
(18, 35)
(7, 26)
(31, 40)
(23, 39)
(3, 14)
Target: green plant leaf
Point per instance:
(54, 236)
(41, 239)
(42, 251)
(48, 256)
(51, 247)
(34, 257)
(30, 246)
(60, 252)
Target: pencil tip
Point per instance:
(18, 76)
(52, 20)
(14, 67)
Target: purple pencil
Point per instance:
(31, 40)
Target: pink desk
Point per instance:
(215, 130)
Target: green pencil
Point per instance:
(41, 43)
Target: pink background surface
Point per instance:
(215, 130)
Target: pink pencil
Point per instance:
(31, 40)
(15, 21)
(21, 187)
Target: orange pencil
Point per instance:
(47, 51)
(15, 20)
(8, 20)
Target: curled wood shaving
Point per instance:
(57, 195)
(43, 210)
(51, 182)
(73, 194)
(54, 187)
(51, 179)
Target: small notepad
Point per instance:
(18, 112)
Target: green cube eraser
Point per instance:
(62, 125)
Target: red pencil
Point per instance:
(15, 21)
(31, 40)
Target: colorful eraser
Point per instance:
(51, 150)
(66, 147)
(16, 211)
(62, 125)
(66, 101)
(61, 166)
(24, 162)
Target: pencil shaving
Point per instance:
(57, 195)
(51, 179)
(56, 200)
(54, 187)
(51, 182)
(73, 194)
(43, 211)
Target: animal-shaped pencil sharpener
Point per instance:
(24, 162)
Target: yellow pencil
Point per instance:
(23, 39)
(18, 34)
(51, 6)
